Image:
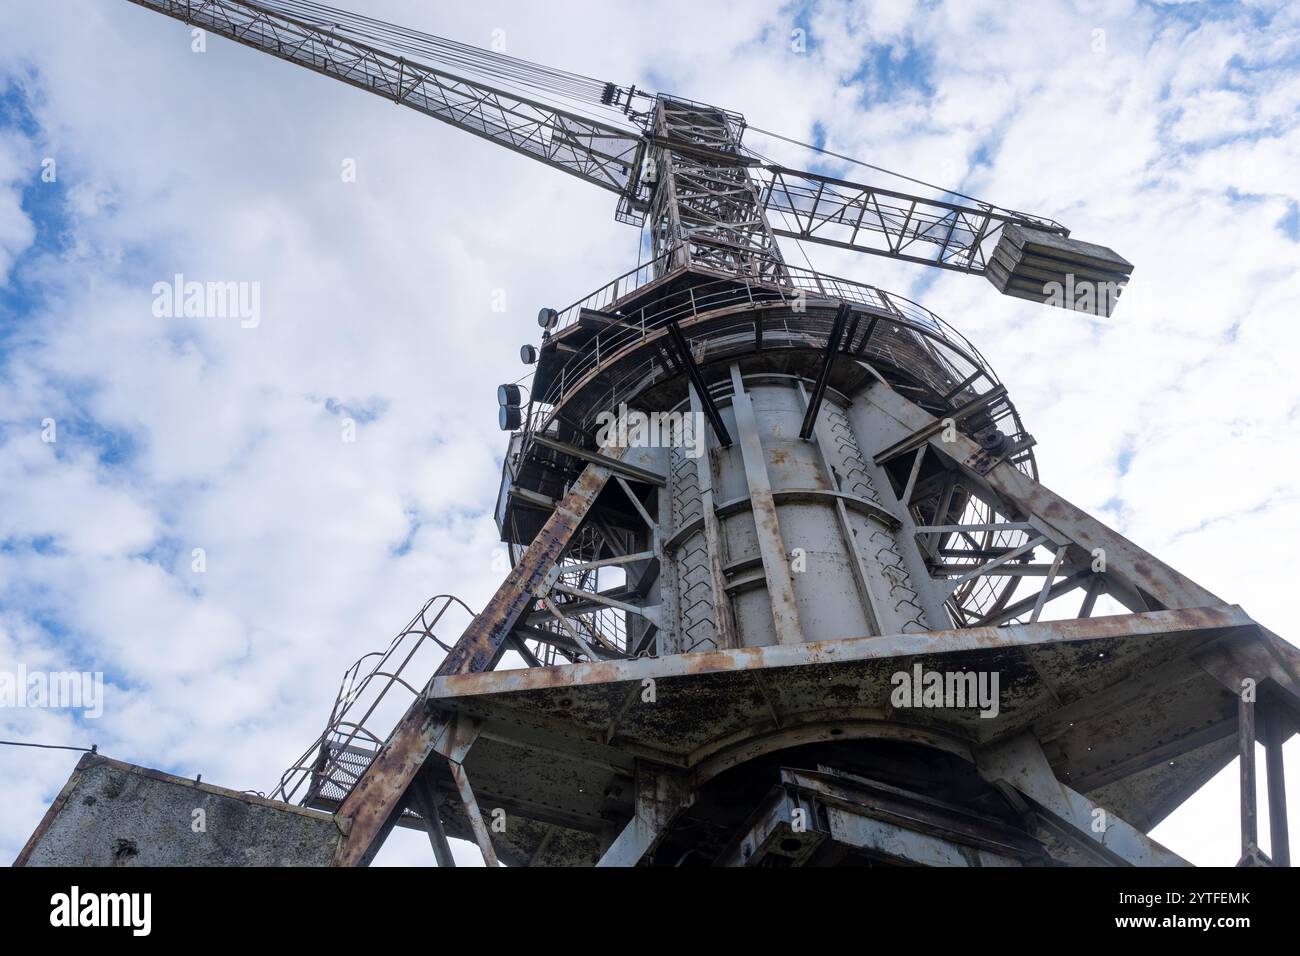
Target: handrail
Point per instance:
(321, 763)
(801, 286)
(612, 291)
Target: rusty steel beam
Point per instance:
(1183, 623)
(862, 573)
(767, 527)
(824, 376)
(1123, 558)
(724, 622)
(926, 430)
(1269, 658)
(479, 646)
(1274, 736)
(482, 835)
(425, 803)
(1246, 758)
(770, 826)
(661, 795)
(682, 353)
(372, 807)
(1018, 767)
(596, 458)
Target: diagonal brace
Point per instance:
(823, 377)
(682, 353)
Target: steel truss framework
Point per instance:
(599, 153)
(439, 732)
(682, 165)
(970, 518)
(848, 215)
(706, 205)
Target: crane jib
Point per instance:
(504, 100)
(590, 149)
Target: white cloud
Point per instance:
(17, 231)
(376, 296)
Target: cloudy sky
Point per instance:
(1168, 131)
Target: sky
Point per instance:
(1168, 131)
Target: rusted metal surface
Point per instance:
(543, 731)
(1020, 763)
(479, 646)
(1267, 658)
(823, 378)
(874, 820)
(771, 830)
(1154, 623)
(1246, 760)
(775, 557)
(863, 577)
(1275, 732)
(710, 717)
(723, 616)
(596, 458)
(910, 827)
(482, 835)
(661, 795)
(371, 808)
(680, 350)
(1123, 558)
(425, 802)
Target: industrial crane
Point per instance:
(680, 166)
(947, 546)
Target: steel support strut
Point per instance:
(767, 527)
(1020, 769)
(1274, 736)
(661, 795)
(1246, 755)
(828, 363)
(681, 352)
(371, 809)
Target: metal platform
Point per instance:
(1145, 724)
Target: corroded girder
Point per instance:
(370, 810)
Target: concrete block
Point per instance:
(112, 813)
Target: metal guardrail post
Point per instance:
(889, 303)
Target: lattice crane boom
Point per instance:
(678, 164)
(600, 153)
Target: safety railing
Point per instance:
(604, 297)
(915, 337)
(328, 769)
